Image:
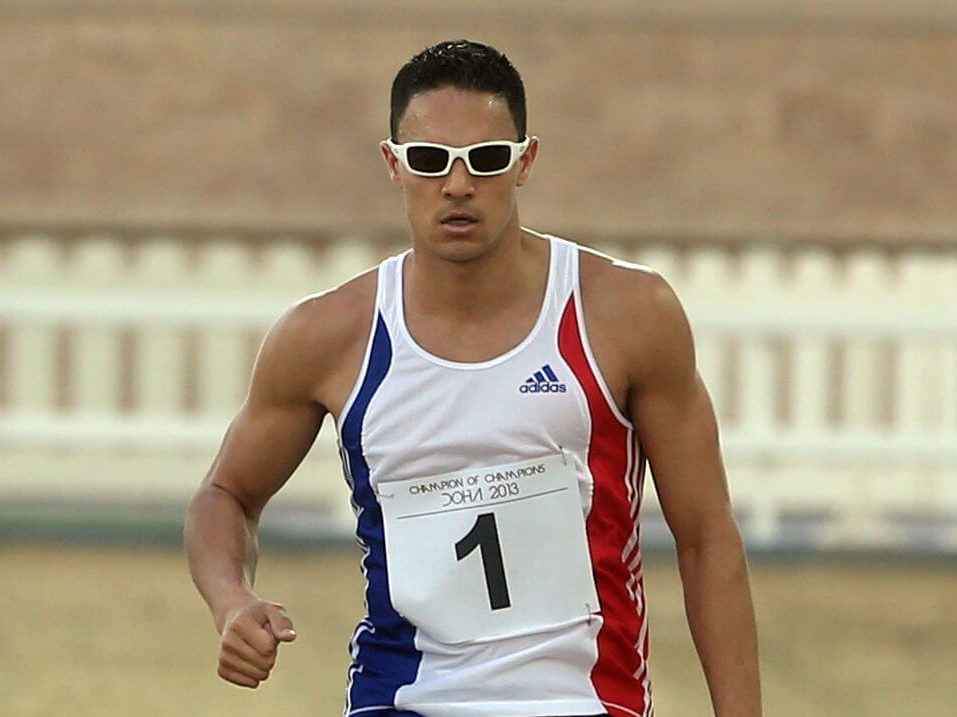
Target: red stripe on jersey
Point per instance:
(618, 675)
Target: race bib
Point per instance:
(490, 552)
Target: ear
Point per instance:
(526, 162)
(392, 162)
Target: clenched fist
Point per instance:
(250, 642)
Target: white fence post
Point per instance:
(948, 271)
(708, 275)
(924, 377)
(946, 489)
(32, 355)
(760, 286)
(920, 375)
(758, 390)
(809, 382)
(866, 286)
(223, 357)
(95, 364)
(159, 352)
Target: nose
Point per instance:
(458, 182)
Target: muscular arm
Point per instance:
(675, 420)
(264, 443)
(650, 356)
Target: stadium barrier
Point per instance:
(833, 369)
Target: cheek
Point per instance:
(412, 191)
(418, 202)
(503, 198)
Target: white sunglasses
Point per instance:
(484, 159)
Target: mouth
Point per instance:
(459, 220)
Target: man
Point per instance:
(497, 393)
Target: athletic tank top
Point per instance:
(497, 506)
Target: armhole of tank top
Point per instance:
(381, 280)
(586, 344)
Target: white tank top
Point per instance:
(497, 507)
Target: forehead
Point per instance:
(456, 117)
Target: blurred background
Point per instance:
(173, 175)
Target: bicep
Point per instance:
(276, 425)
(679, 435)
(262, 447)
(677, 428)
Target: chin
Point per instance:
(458, 248)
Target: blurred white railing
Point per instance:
(833, 370)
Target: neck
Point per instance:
(505, 276)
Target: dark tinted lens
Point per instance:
(427, 159)
(490, 159)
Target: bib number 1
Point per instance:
(484, 535)
(522, 521)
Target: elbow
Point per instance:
(213, 503)
(216, 492)
(717, 538)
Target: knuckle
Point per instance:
(231, 638)
(244, 617)
(241, 622)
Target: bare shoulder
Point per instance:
(610, 278)
(634, 317)
(316, 342)
(330, 320)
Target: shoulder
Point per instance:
(634, 312)
(610, 278)
(332, 318)
(621, 292)
(318, 338)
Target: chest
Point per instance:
(426, 418)
(474, 340)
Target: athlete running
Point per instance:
(497, 393)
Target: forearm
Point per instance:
(222, 547)
(721, 617)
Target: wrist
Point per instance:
(228, 604)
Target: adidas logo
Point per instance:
(544, 381)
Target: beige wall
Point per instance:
(713, 117)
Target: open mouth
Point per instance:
(459, 219)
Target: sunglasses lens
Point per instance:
(427, 159)
(492, 158)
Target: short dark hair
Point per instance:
(464, 65)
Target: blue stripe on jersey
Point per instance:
(548, 372)
(383, 647)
